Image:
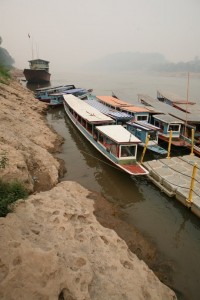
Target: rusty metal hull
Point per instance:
(37, 76)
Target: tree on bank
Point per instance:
(5, 58)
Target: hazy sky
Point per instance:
(73, 32)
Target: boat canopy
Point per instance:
(144, 125)
(48, 88)
(86, 111)
(118, 134)
(71, 91)
(57, 88)
(38, 61)
(170, 110)
(173, 98)
(168, 119)
(123, 105)
(118, 115)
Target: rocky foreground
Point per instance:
(52, 246)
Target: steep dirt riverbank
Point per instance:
(52, 246)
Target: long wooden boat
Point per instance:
(43, 94)
(56, 99)
(38, 71)
(113, 141)
(138, 128)
(138, 112)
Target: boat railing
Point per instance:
(186, 139)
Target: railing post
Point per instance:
(189, 200)
(169, 145)
(192, 142)
(145, 148)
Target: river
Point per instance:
(172, 228)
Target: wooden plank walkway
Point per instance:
(173, 177)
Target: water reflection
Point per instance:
(55, 113)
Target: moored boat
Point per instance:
(169, 124)
(138, 112)
(113, 141)
(43, 94)
(56, 99)
(38, 71)
(142, 130)
(187, 120)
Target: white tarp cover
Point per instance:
(86, 111)
(118, 133)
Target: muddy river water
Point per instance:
(170, 227)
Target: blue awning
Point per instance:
(118, 115)
(72, 91)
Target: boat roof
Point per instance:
(70, 91)
(173, 97)
(190, 108)
(170, 110)
(121, 104)
(144, 125)
(118, 134)
(74, 91)
(86, 111)
(54, 87)
(38, 59)
(108, 111)
(168, 119)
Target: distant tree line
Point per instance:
(190, 66)
(136, 61)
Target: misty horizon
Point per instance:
(71, 35)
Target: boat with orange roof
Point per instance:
(139, 113)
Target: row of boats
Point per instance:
(115, 127)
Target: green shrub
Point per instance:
(4, 74)
(9, 193)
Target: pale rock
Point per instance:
(53, 246)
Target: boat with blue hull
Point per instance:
(142, 130)
(113, 141)
(43, 94)
(56, 99)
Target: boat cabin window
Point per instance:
(141, 118)
(113, 149)
(101, 138)
(153, 135)
(84, 123)
(89, 128)
(174, 127)
(159, 124)
(79, 118)
(127, 151)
